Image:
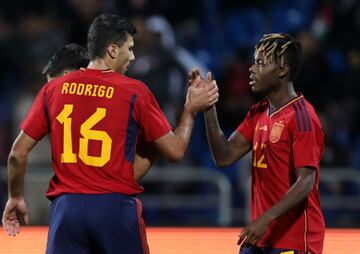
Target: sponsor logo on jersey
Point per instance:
(263, 128)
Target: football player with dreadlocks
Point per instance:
(287, 142)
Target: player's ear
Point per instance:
(112, 50)
(283, 70)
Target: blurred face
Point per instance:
(263, 75)
(124, 55)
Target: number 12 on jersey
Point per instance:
(68, 155)
(259, 163)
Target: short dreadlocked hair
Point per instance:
(284, 48)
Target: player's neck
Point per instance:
(279, 98)
(98, 64)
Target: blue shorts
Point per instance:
(96, 223)
(267, 250)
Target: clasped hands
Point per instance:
(202, 94)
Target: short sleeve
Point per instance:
(36, 123)
(246, 128)
(307, 143)
(153, 122)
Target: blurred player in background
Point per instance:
(67, 59)
(287, 142)
(94, 117)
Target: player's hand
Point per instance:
(14, 212)
(201, 96)
(210, 81)
(192, 75)
(253, 233)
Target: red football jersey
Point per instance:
(94, 118)
(288, 139)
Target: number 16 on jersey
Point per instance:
(68, 155)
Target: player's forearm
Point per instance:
(140, 173)
(142, 165)
(183, 132)
(218, 143)
(16, 174)
(296, 194)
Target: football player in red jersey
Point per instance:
(287, 142)
(94, 117)
(74, 56)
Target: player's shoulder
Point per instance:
(302, 106)
(121, 79)
(305, 114)
(131, 81)
(60, 80)
(308, 106)
(135, 85)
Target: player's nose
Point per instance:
(251, 69)
(132, 56)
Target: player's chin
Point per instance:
(124, 70)
(258, 88)
(255, 89)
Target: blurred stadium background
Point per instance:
(175, 36)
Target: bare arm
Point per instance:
(15, 208)
(146, 155)
(142, 166)
(224, 151)
(173, 144)
(296, 194)
(17, 164)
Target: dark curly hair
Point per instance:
(69, 57)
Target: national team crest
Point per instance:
(275, 133)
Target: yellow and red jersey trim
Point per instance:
(287, 104)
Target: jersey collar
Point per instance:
(287, 104)
(96, 70)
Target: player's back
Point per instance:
(94, 127)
